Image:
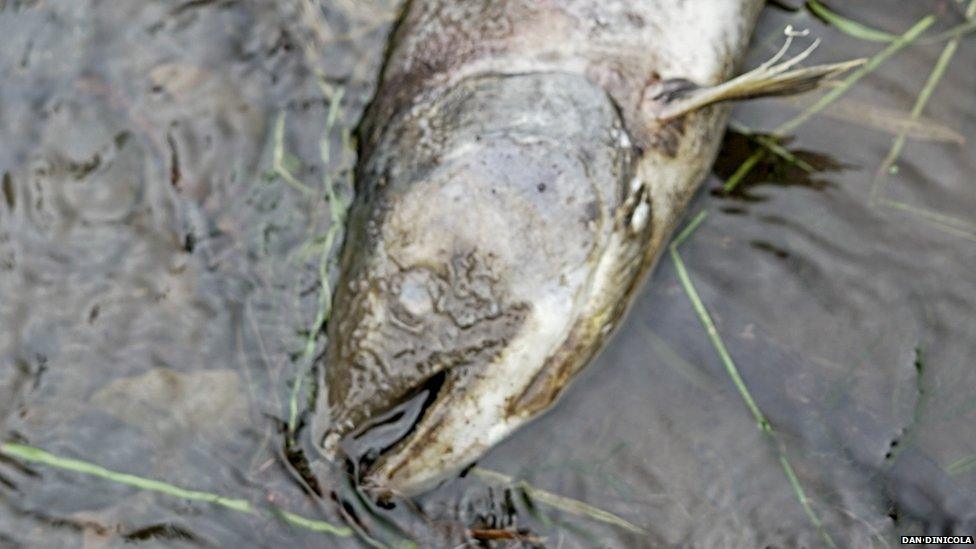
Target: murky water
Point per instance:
(159, 276)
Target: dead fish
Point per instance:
(521, 167)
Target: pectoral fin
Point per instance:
(673, 100)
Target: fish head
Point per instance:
(484, 265)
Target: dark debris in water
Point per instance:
(770, 248)
(300, 469)
(17, 467)
(193, 4)
(487, 535)
(4, 481)
(8, 190)
(494, 511)
(160, 532)
(295, 462)
(783, 5)
(772, 169)
(906, 432)
(494, 515)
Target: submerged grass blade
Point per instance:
(955, 32)
(312, 524)
(943, 222)
(930, 215)
(36, 455)
(743, 170)
(709, 325)
(848, 26)
(783, 153)
(337, 209)
(688, 230)
(733, 372)
(835, 93)
(278, 158)
(938, 72)
(962, 465)
(893, 121)
(563, 503)
(801, 495)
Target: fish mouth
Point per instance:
(374, 442)
(456, 416)
(432, 452)
(413, 447)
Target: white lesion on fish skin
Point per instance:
(638, 221)
(636, 207)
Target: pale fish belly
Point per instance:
(512, 192)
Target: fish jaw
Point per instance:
(457, 429)
(478, 407)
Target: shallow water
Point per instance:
(158, 282)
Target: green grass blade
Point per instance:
(733, 371)
(36, 455)
(709, 325)
(313, 524)
(938, 72)
(278, 158)
(955, 32)
(801, 495)
(847, 26)
(692, 227)
(771, 145)
(323, 311)
(940, 221)
(743, 170)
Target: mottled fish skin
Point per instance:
(512, 191)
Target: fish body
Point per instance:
(512, 191)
